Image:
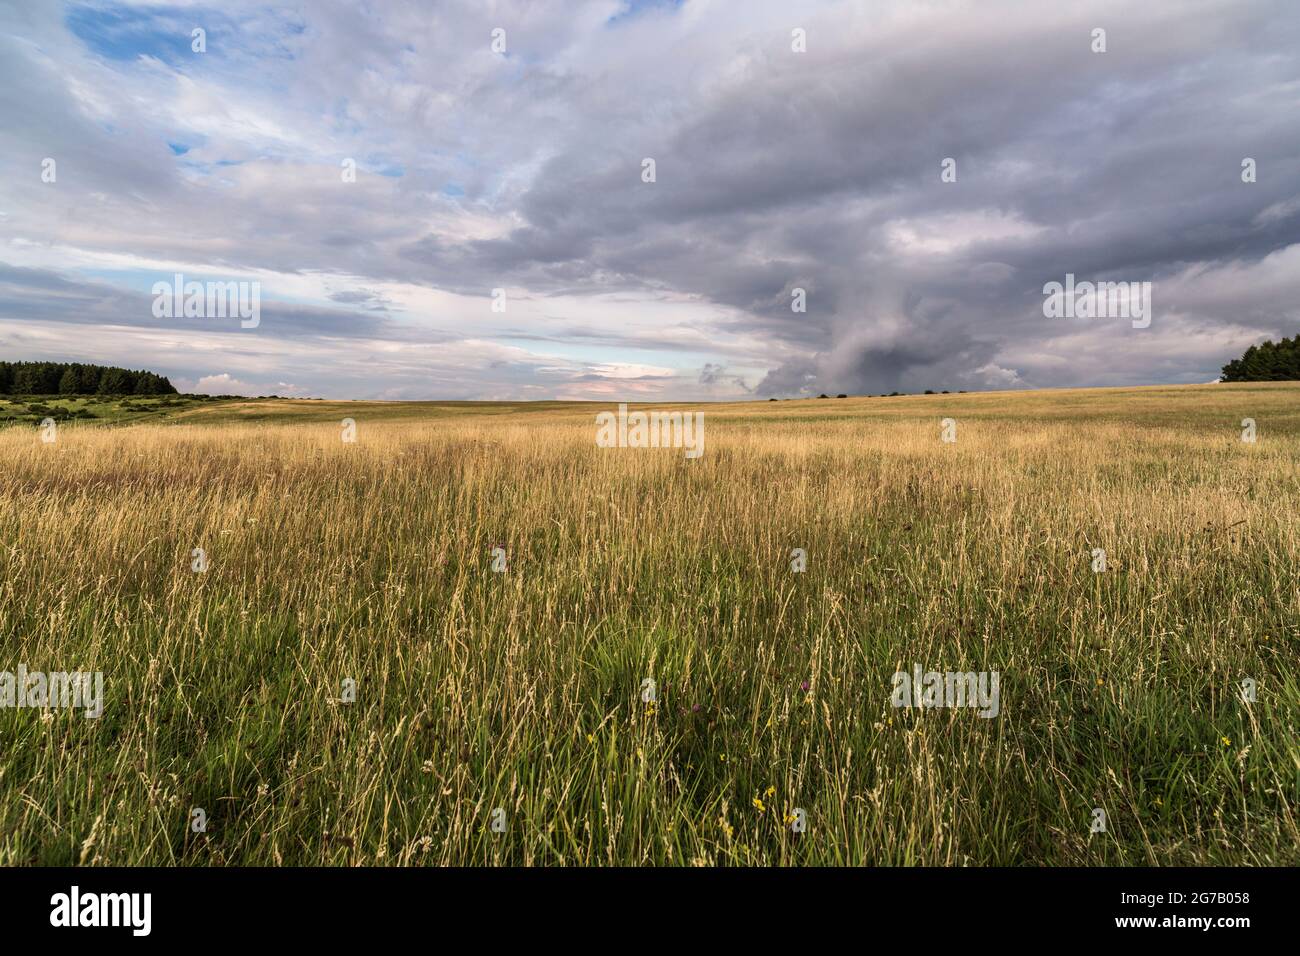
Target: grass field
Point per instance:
(522, 690)
(34, 409)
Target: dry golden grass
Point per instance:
(477, 690)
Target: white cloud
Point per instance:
(224, 384)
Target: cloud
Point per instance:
(223, 384)
(775, 170)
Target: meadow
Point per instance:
(34, 409)
(350, 682)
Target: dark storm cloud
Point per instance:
(1121, 165)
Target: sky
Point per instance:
(501, 145)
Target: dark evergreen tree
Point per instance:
(114, 382)
(27, 379)
(1269, 362)
(76, 378)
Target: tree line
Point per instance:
(1270, 362)
(74, 378)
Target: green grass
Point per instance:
(102, 409)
